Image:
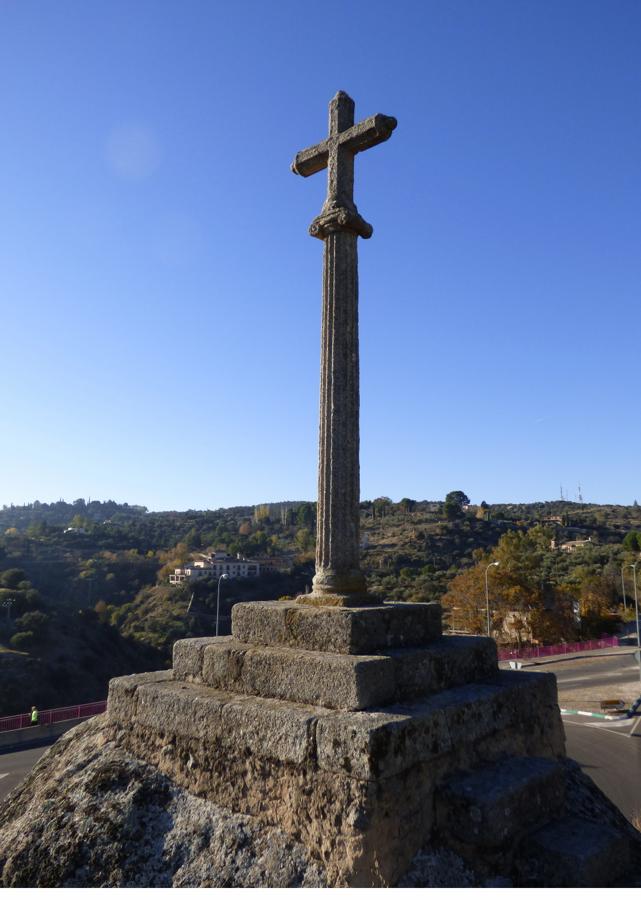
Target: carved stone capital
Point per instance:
(340, 219)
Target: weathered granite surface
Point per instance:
(355, 787)
(338, 579)
(365, 630)
(500, 803)
(90, 814)
(335, 680)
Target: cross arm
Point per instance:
(359, 137)
(311, 160)
(368, 133)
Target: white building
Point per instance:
(215, 566)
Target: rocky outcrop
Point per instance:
(92, 815)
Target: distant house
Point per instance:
(569, 546)
(214, 566)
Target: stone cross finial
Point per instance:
(336, 153)
(338, 579)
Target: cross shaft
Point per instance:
(338, 579)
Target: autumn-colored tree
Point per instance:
(522, 606)
(172, 558)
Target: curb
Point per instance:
(594, 715)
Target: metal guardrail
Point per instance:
(51, 716)
(559, 649)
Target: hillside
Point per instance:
(91, 597)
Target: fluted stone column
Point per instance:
(338, 579)
(337, 542)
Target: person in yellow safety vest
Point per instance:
(34, 715)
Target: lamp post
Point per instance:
(633, 566)
(487, 595)
(8, 603)
(625, 605)
(224, 575)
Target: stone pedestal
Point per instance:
(353, 730)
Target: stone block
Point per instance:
(363, 630)
(447, 662)
(380, 743)
(494, 805)
(333, 680)
(575, 852)
(236, 724)
(188, 656)
(121, 701)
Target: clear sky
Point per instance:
(160, 295)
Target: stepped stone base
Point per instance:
(329, 745)
(351, 729)
(497, 805)
(335, 680)
(337, 629)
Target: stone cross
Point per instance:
(338, 579)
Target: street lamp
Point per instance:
(8, 603)
(625, 605)
(487, 595)
(633, 566)
(224, 575)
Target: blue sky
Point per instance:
(160, 296)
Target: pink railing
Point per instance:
(50, 716)
(559, 649)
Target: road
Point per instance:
(602, 748)
(598, 672)
(611, 759)
(14, 767)
(590, 679)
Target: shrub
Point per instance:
(22, 640)
(35, 623)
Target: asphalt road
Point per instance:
(611, 759)
(599, 672)
(14, 767)
(602, 748)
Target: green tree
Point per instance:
(306, 516)
(632, 540)
(22, 640)
(304, 539)
(35, 622)
(454, 503)
(11, 578)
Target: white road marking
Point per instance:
(608, 726)
(570, 678)
(4, 775)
